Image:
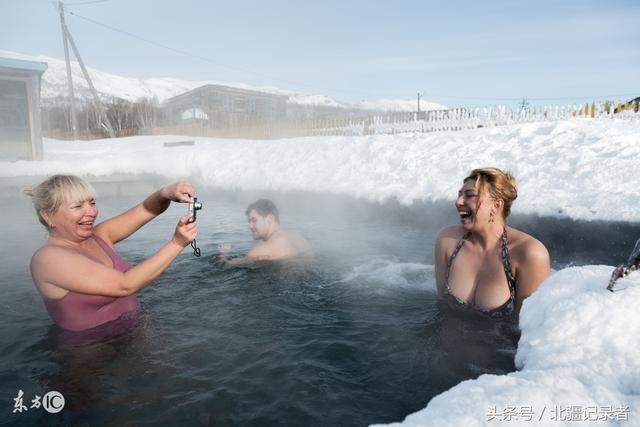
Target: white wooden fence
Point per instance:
(402, 122)
(470, 118)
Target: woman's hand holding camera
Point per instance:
(181, 192)
(185, 231)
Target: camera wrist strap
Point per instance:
(196, 249)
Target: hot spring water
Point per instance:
(353, 337)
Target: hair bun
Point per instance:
(500, 184)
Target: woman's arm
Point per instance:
(534, 268)
(59, 267)
(122, 226)
(440, 261)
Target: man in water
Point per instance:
(277, 244)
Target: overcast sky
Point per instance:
(454, 52)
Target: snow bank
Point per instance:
(582, 169)
(577, 358)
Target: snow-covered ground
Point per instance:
(578, 354)
(54, 84)
(582, 168)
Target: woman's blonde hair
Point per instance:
(501, 185)
(53, 191)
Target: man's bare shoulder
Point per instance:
(288, 238)
(296, 238)
(261, 249)
(285, 244)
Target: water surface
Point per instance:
(351, 338)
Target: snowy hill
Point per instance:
(54, 84)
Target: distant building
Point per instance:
(302, 112)
(20, 125)
(219, 107)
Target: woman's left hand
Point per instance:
(181, 192)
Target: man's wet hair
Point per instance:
(264, 207)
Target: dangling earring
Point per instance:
(491, 219)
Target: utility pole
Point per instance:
(524, 104)
(418, 104)
(96, 99)
(72, 99)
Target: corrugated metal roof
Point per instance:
(208, 88)
(20, 64)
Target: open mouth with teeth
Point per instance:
(464, 214)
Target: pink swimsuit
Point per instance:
(77, 312)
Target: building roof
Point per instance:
(31, 67)
(208, 88)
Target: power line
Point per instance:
(182, 52)
(86, 2)
(234, 68)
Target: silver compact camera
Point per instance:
(194, 207)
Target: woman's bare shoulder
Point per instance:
(52, 256)
(45, 252)
(453, 232)
(45, 261)
(447, 239)
(527, 248)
